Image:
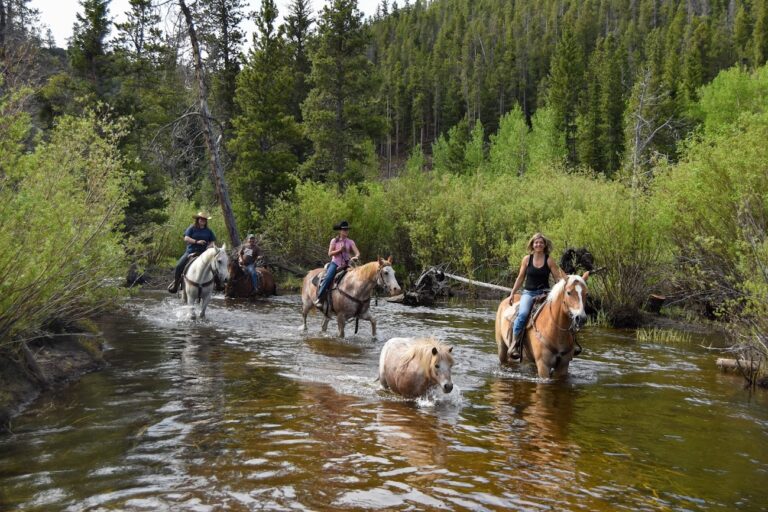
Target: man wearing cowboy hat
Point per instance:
(197, 237)
(339, 251)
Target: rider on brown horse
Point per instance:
(341, 250)
(247, 255)
(535, 268)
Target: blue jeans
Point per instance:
(526, 302)
(329, 273)
(254, 276)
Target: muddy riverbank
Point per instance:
(51, 363)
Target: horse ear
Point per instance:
(434, 351)
(378, 258)
(585, 275)
(450, 349)
(389, 260)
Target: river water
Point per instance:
(246, 412)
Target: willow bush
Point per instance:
(61, 209)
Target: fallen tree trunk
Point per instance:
(735, 365)
(478, 283)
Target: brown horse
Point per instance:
(550, 337)
(240, 284)
(352, 297)
(411, 366)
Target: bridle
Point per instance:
(573, 329)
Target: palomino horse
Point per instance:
(200, 275)
(550, 337)
(411, 366)
(240, 284)
(352, 298)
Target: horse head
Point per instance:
(219, 264)
(441, 363)
(574, 292)
(385, 277)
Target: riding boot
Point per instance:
(514, 351)
(174, 286)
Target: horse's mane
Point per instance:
(421, 350)
(368, 271)
(556, 290)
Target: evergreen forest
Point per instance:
(445, 131)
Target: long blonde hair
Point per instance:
(547, 243)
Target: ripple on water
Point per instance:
(244, 411)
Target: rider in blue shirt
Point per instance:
(197, 237)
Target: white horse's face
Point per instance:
(387, 279)
(443, 363)
(575, 299)
(221, 264)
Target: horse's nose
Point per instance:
(579, 321)
(448, 387)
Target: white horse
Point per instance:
(199, 279)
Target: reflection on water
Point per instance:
(245, 412)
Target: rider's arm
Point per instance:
(556, 271)
(519, 280)
(355, 251)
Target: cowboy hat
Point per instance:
(250, 235)
(202, 215)
(341, 225)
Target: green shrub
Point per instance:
(61, 209)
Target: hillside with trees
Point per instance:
(445, 131)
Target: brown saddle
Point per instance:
(320, 277)
(538, 304)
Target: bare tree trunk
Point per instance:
(217, 171)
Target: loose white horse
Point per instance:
(199, 279)
(352, 297)
(411, 366)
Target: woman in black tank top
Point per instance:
(535, 269)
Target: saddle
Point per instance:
(511, 312)
(320, 277)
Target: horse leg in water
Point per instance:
(367, 316)
(190, 297)
(206, 298)
(341, 320)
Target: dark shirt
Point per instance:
(536, 278)
(199, 234)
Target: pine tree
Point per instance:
(87, 51)
(509, 146)
(265, 132)
(339, 111)
(222, 36)
(760, 33)
(566, 78)
(298, 25)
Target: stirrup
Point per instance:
(173, 287)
